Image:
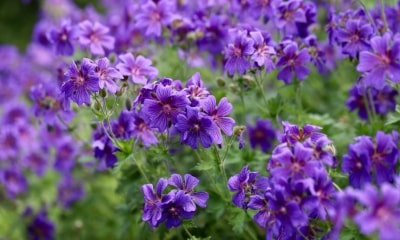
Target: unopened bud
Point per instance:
(238, 130)
(128, 104)
(220, 82)
(103, 93)
(97, 106)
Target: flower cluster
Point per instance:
(298, 189)
(369, 158)
(176, 205)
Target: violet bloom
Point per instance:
(178, 208)
(381, 63)
(259, 203)
(96, 37)
(164, 110)
(14, 181)
(66, 151)
(103, 148)
(293, 133)
(41, 228)
(383, 100)
(187, 185)
(263, 53)
(80, 82)
(69, 191)
(218, 114)
(153, 201)
(262, 134)
(36, 162)
(107, 75)
(382, 211)
(288, 14)
(123, 126)
(355, 37)
(293, 63)
(293, 162)
(245, 185)
(196, 90)
(237, 54)
(142, 131)
(153, 16)
(9, 142)
(139, 70)
(62, 38)
(195, 127)
(357, 164)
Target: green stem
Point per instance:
(261, 88)
(221, 163)
(139, 165)
(383, 15)
(187, 231)
(368, 14)
(336, 186)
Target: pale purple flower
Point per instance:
(263, 53)
(69, 191)
(142, 130)
(139, 69)
(63, 38)
(95, 36)
(14, 181)
(107, 75)
(237, 54)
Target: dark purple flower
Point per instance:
(262, 134)
(103, 148)
(142, 130)
(180, 207)
(95, 37)
(355, 37)
(218, 114)
(293, 133)
(63, 38)
(139, 70)
(107, 75)
(164, 109)
(81, 82)
(154, 15)
(153, 201)
(9, 142)
(237, 54)
(187, 185)
(14, 181)
(293, 63)
(123, 126)
(69, 191)
(381, 63)
(382, 211)
(195, 127)
(41, 228)
(357, 163)
(324, 150)
(245, 185)
(259, 203)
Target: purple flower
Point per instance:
(153, 16)
(289, 13)
(245, 185)
(218, 114)
(69, 191)
(196, 90)
(107, 75)
(262, 134)
(187, 185)
(383, 100)
(293, 63)
(260, 204)
(103, 148)
(40, 228)
(357, 164)
(355, 37)
(293, 162)
(153, 201)
(62, 38)
(14, 181)
(382, 62)
(293, 133)
(165, 108)
(81, 82)
(382, 211)
(180, 207)
(66, 151)
(36, 162)
(263, 53)
(195, 127)
(142, 130)
(139, 69)
(95, 36)
(123, 126)
(237, 54)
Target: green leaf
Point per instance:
(238, 222)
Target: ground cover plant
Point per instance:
(216, 119)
